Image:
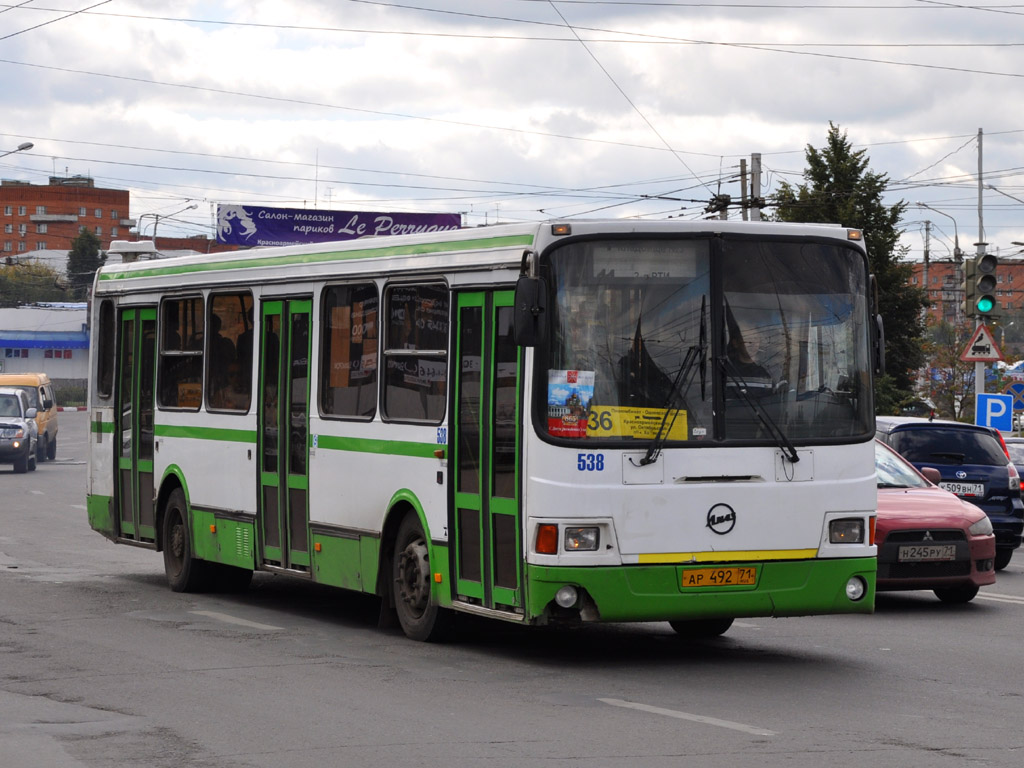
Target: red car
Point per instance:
(928, 538)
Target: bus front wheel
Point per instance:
(184, 572)
(411, 579)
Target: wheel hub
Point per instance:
(414, 576)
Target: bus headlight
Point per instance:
(848, 530)
(582, 539)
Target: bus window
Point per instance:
(348, 385)
(229, 352)
(105, 352)
(415, 353)
(181, 353)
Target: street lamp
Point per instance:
(1004, 194)
(156, 218)
(957, 253)
(20, 148)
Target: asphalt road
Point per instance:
(102, 666)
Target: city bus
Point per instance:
(547, 423)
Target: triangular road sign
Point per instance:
(982, 347)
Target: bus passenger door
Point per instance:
(487, 548)
(284, 433)
(134, 438)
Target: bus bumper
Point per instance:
(655, 593)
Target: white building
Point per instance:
(51, 338)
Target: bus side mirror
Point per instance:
(530, 305)
(879, 346)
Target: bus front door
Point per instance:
(486, 518)
(284, 433)
(134, 435)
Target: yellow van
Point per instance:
(40, 396)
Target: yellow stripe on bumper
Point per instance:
(726, 557)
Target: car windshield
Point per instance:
(949, 445)
(33, 395)
(9, 406)
(893, 471)
(706, 340)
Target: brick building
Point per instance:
(37, 217)
(944, 283)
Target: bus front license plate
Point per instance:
(719, 577)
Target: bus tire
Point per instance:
(701, 628)
(184, 572)
(411, 578)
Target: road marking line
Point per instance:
(38, 493)
(997, 598)
(687, 716)
(234, 620)
(79, 506)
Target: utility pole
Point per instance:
(755, 186)
(979, 368)
(743, 188)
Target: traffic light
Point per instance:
(970, 289)
(985, 304)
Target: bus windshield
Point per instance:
(699, 340)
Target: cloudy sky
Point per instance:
(516, 110)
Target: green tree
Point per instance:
(28, 283)
(84, 258)
(839, 188)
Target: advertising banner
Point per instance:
(252, 225)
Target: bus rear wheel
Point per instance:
(701, 628)
(411, 579)
(184, 572)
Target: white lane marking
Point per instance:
(234, 620)
(997, 598)
(687, 716)
(38, 493)
(79, 506)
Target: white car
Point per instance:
(18, 431)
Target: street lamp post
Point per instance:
(156, 218)
(20, 148)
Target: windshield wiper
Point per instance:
(696, 357)
(783, 442)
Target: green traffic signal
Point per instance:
(985, 284)
(986, 304)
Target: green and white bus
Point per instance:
(562, 422)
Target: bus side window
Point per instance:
(416, 353)
(180, 370)
(229, 352)
(348, 384)
(105, 352)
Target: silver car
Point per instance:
(18, 431)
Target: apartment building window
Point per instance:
(99, 213)
(40, 245)
(22, 229)
(113, 231)
(99, 230)
(113, 215)
(8, 229)
(41, 210)
(81, 211)
(999, 278)
(21, 246)
(8, 210)
(22, 210)
(8, 246)
(40, 229)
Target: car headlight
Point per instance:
(981, 528)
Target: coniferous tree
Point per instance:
(84, 258)
(839, 188)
